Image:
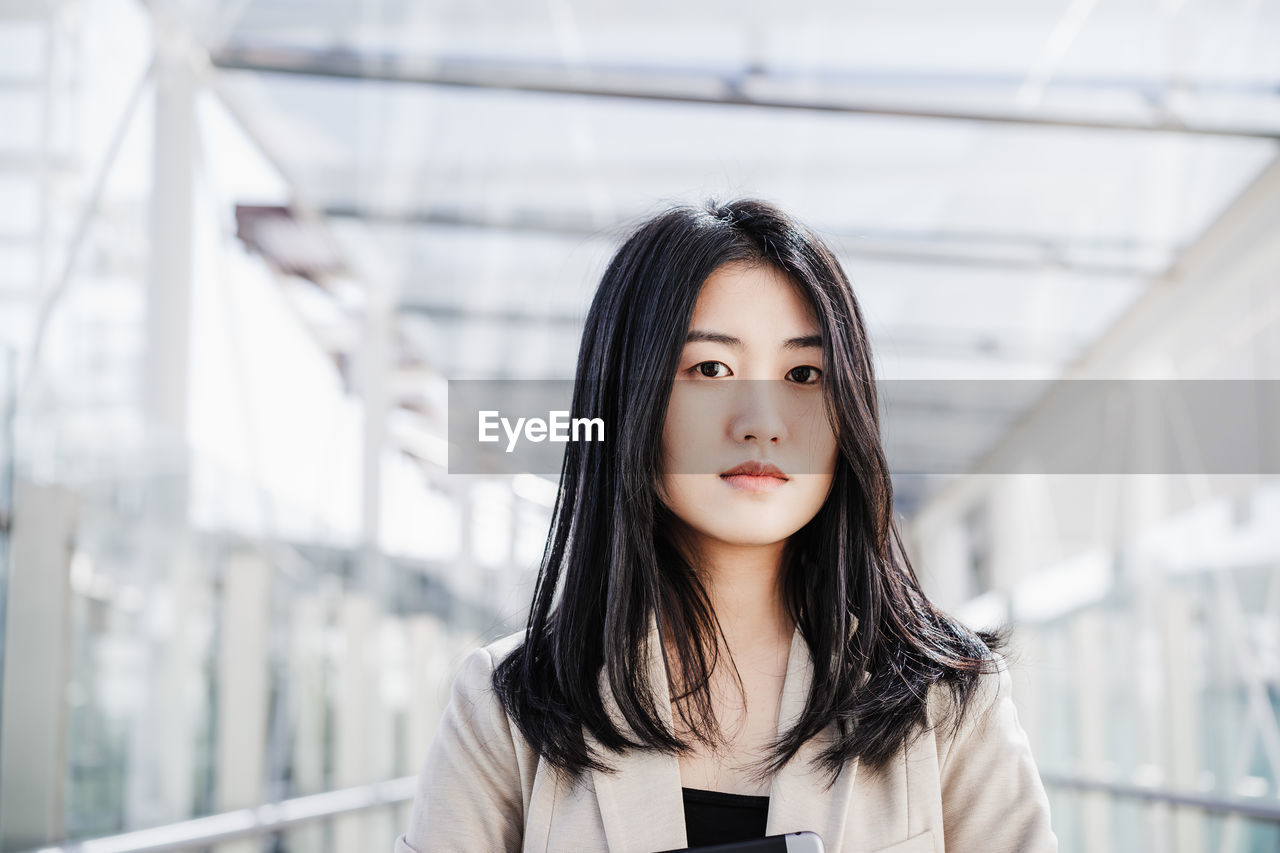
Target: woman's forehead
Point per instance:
(755, 301)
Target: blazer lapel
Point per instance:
(641, 804)
(798, 800)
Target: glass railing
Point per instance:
(209, 673)
(374, 813)
(1154, 711)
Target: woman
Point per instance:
(726, 638)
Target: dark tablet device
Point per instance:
(792, 842)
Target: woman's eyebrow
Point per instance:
(805, 342)
(701, 335)
(704, 336)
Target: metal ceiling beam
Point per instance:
(577, 226)
(1030, 252)
(1153, 89)
(715, 90)
(503, 316)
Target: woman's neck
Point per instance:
(745, 585)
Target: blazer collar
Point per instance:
(642, 806)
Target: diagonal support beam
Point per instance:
(713, 90)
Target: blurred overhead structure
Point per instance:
(494, 164)
(757, 87)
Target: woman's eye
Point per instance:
(712, 369)
(805, 375)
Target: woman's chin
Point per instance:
(748, 535)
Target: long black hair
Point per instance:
(877, 644)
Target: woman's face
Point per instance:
(748, 455)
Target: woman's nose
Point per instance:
(759, 411)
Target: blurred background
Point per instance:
(244, 246)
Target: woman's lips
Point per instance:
(754, 477)
(753, 482)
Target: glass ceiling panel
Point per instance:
(999, 245)
(1192, 40)
(594, 161)
(980, 249)
(1199, 62)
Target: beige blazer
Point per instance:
(483, 789)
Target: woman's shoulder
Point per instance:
(987, 690)
(991, 793)
(473, 790)
(498, 650)
(986, 706)
(475, 673)
(477, 709)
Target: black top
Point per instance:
(712, 817)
